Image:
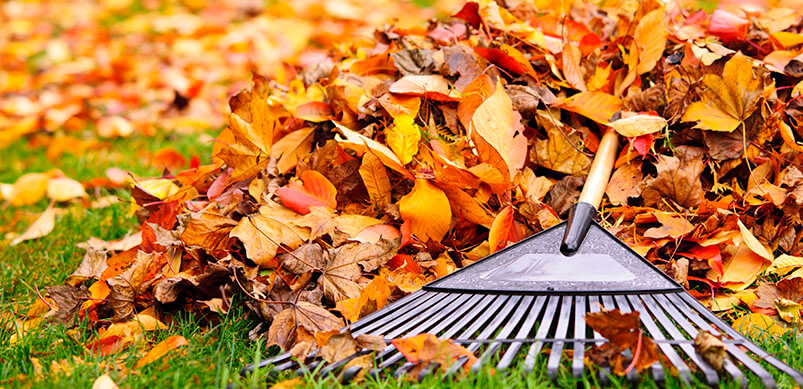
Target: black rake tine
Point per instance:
(594, 305)
(669, 352)
(518, 314)
(553, 362)
(579, 331)
(525, 329)
(741, 356)
(680, 319)
(711, 375)
(543, 330)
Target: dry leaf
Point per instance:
(39, 228)
(161, 349)
(427, 209)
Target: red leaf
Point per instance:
(727, 26)
(707, 253)
(470, 13)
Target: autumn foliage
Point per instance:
(339, 186)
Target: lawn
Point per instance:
(219, 346)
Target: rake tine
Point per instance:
(553, 362)
(750, 363)
(594, 306)
(752, 347)
(391, 321)
(509, 327)
(455, 367)
(349, 374)
(519, 305)
(457, 315)
(543, 330)
(397, 328)
(732, 369)
(624, 307)
(488, 330)
(304, 368)
(666, 348)
(579, 330)
(431, 368)
(524, 331)
(711, 375)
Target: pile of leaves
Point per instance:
(392, 161)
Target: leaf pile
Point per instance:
(389, 162)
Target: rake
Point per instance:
(513, 303)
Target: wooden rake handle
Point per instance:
(584, 211)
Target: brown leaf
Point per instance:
(559, 152)
(678, 179)
(625, 183)
(68, 300)
(376, 180)
(424, 349)
(623, 331)
(263, 233)
(310, 317)
(710, 348)
(209, 232)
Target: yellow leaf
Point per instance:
(288, 384)
(638, 125)
(376, 179)
(741, 269)
(64, 189)
(28, 189)
(291, 148)
(149, 321)
(361, 144)
(758, 325)
(426, 207)
(161, 349)
(788, 310)
(493, 121)
(753, 243)
(39, 228)
(558, 151)
(650, 37)
(729, 99)
(403, 138)
(784, 264)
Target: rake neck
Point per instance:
(583, 213)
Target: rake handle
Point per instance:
(585, 210)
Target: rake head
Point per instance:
(503, 319)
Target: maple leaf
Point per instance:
(678, 179)
(245, 146)
(424, 349)
(728, 100)
(302, 316)
(263, 233)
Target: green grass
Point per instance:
(219, 345)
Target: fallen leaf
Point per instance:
(161, 349)
(758, 326)
(424, 349)
(376, 180)
(104, 382)
(403, 138)
(495, 122)
(727, 100)
(427, 209)
(623, 331)
(638, 125)
(264, 232)
(625, 183)
(40, 227)
(597, 106)
(710, 348)
(312, 190)
(678, 179)
(650, 37)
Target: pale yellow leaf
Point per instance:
(638, 125)
(104, 382)
(39, 228)
(493, 120)
(361, 144)
(64, 189)
(753, 243)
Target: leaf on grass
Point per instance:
(710, 348)
(64, 189)
(42, 226)
(427, 209)
(161, 349)
(104, 382)
(302, 315)
(759, 326)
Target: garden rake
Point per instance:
(513, 303)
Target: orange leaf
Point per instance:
(161, 349)
(427, 209)
(424, 349)
(597, 106)
(503, 230)
(314, 190)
